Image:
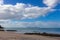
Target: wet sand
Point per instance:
(18, 36)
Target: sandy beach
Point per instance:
(18, 36)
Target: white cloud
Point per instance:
(50, 3)
(1, 2)
(40, 24)
(23, 11)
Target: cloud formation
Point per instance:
(1, 2)
(50, 3)
(40, 24)
(23, 11)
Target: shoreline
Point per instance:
(44, 34)
(34, 33)
(39, 33)
(17, 36)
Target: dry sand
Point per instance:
(17, 36)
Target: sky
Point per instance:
(30, 13)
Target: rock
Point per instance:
(1, 28)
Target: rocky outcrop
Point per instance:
(1, 28)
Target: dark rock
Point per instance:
(1, 28)
(10, 30)
(44, 34)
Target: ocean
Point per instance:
(35, 30)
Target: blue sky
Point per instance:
(29, 12)
(53, 16)
(32, 2)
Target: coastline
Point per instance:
(17, 36)
(44, 34)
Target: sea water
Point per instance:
(36, 30)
